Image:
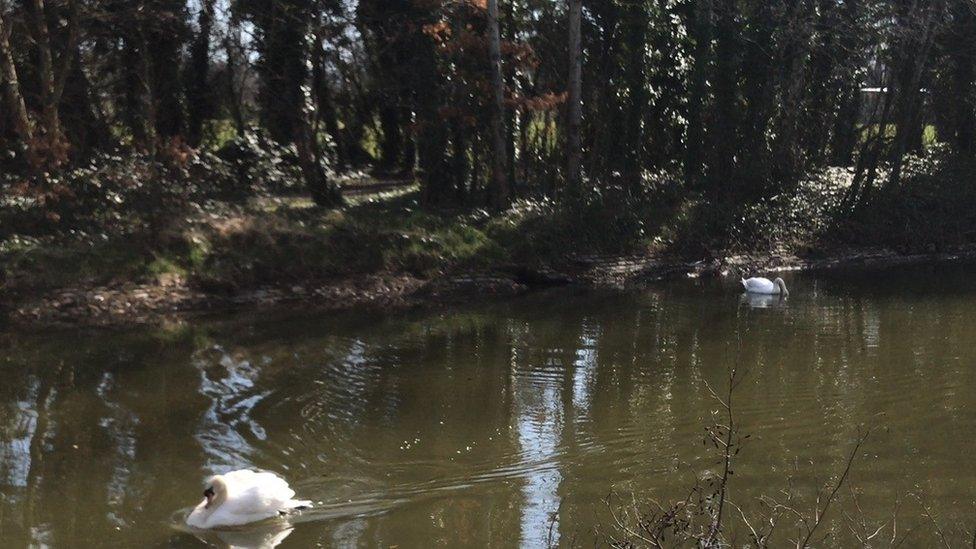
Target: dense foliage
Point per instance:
(735, 103)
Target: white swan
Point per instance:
(241, 497)
(765, 286)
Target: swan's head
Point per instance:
(782, 286)
(215, 492)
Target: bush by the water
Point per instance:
(234, 219)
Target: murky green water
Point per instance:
(502, 425)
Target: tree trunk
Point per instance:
(866, 169)
(282, 68)
(165, 37)
(758, 92)
(511, 120)
(701, 28)
(51, 77)
(146, 117)
(323, 102)
(381, 24)
(963, 55)
(499, 193)
(635, 78)
(325, 192)
(724, 126)
(198, 96)
(845, 127)
(50, 120)
(391, 145)
(424, 87)
(12, 92)
(390, 110)
(232, 49)
(815, 126)
(460, 166)
(82, 115)
(788, 134)
(915, 59)
(574, 149)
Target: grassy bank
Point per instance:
(221, 229)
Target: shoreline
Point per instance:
(131, 304)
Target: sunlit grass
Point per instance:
(870, 131)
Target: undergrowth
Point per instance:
(234, 220)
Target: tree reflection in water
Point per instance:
(481, 426)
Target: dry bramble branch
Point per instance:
(702, 519)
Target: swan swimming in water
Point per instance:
(241, 497)
(765, 286)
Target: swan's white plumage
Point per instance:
(759, 285)
(251, 496)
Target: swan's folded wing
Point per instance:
(760, 286)
(264, 481)
(258, 495)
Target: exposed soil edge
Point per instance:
(134, 304)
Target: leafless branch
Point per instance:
(821, 512)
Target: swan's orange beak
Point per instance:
(209, 494)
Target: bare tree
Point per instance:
(962, 34)
(199, 99)
(700, 28)
(915, 59)
(12, 92)
(500, 192)
(323, 189)
(235, 69)
(574, 148)
(53, 72)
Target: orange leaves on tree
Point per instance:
(460, 35)
(544, 102)
(440, 31)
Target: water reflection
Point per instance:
(120, 426)
(761, 301)
(487, 427)
(539, 419)
(265, 536)
(230, 385)
(17, 435)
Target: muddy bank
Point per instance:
(127, 303)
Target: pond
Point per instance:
(501, 425)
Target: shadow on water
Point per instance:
(499, 425)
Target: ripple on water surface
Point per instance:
(456, 426)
